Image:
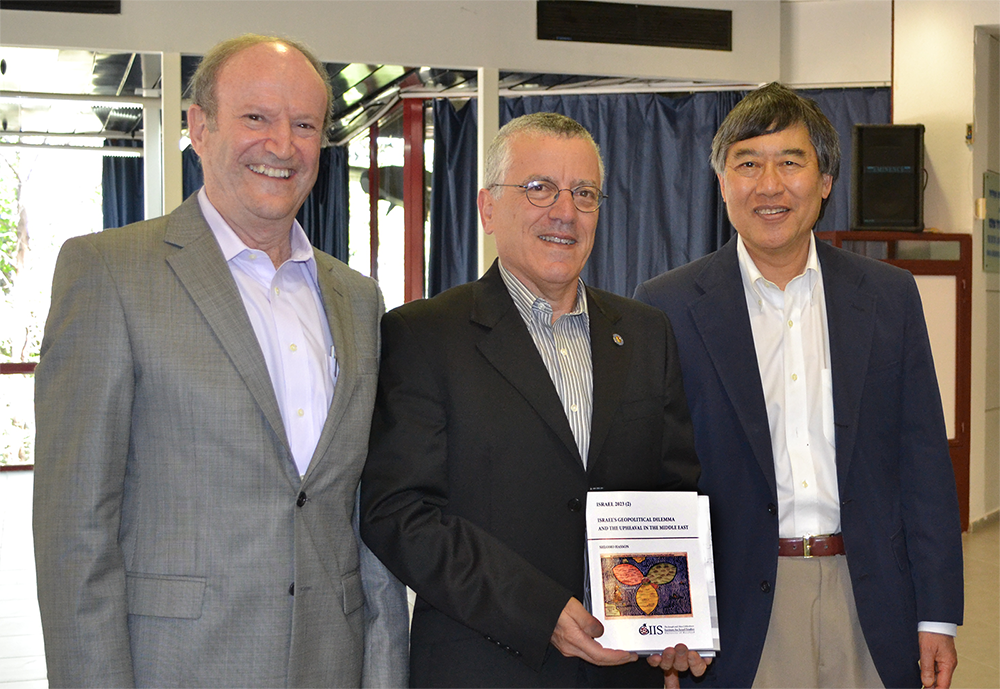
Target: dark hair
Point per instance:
(774, 108)
(202, 86)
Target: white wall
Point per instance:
(844, 42)
(436, 33)
(934, 84)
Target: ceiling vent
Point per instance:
(633, 24)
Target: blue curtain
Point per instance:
(664, 207)
(192, 177)
(453, 253)
(123, 198)
(846, 108)
(324, 214)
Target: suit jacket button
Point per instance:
(765, 587)
(771, 509)
(574, 505)
(291, 589)
(302, 499)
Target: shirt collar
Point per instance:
(760, 289)
(525, 300)
(232, 246)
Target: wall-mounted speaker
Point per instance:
(887, 177)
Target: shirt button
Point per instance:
(294, 347)
(805, 484)
(564, 352)
(789, 324)
(302, 412)
(771, 509)
(277, 290)
(765, 587)
(795, 377)
(253, 257)
(573, 407)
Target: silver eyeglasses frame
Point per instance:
(555, 197)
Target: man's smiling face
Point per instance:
(774, 190)
(545, 248)
(260, 155)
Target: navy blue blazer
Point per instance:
(899, 505)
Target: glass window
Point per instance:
(46, 197)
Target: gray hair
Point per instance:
(774, 108)
(498, 155)
(205, 78)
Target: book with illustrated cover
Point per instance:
(652, 577)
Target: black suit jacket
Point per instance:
(899, 506)
(474, 490)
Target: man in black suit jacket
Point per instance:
(500, 404)
(818, 423)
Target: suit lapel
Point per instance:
(720, 316)
(340, 317)
(508, 347)
(850, 317)
(611, 363)
(201, 268)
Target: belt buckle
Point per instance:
(807, 546)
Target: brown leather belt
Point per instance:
(811, 546)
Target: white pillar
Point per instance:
(488, 120)
(173, 187)
(151, 141)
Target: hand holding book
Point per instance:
(575, 633)
(676, 660)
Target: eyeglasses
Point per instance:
(586, 198)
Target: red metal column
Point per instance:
(373, 194)
(413, 198)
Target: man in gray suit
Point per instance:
(203, 405)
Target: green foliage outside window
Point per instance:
(8, 236)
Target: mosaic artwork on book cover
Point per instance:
(646, 585)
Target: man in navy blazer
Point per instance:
(819, 427)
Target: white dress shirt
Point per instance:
(287, 315)
(793, 356)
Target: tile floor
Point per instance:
(22, 663)
(22, 654)
(978, 640)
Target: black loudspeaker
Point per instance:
(887, 177)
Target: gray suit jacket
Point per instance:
(169, 520)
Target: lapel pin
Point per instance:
(618, 339)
